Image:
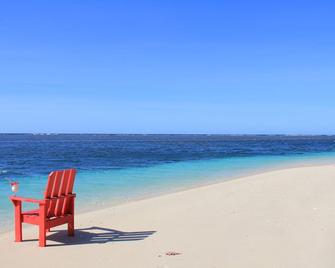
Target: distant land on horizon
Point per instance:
(286, 136)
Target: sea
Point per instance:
(120, 168)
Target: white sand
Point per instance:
(283, 218)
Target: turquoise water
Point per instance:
(98, 189)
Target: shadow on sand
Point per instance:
(95, 235)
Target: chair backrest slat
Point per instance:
(50, 185)
(61, 192)
(60, 184)
(69, 188)
(66, 208)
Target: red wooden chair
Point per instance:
(55, 209)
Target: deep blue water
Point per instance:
(27, 155)
(125, 167)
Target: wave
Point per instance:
(3, 171)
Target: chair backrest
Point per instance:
(58, 192)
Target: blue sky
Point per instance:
(167, 66)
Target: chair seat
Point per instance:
(36, 213)
(33, 212)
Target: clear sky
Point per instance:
(167, 66)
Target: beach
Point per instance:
(283, 218)
(167, 134)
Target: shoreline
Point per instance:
(201, 186)
(215, 180)
(218, 180)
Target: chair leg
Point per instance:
(18, 222)
(42, 236)
(42, 227)
(18, 231)
(70, 227)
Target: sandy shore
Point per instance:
(282, 218)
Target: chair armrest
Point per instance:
(23, 199)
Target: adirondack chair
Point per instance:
(55, 209)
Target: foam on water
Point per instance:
(3, 171)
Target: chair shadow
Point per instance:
(95, 235)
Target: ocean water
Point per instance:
(118, 168)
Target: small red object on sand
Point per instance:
(172, 253)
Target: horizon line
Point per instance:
(143, 134)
